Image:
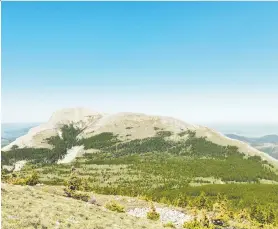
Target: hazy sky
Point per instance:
(200, 62)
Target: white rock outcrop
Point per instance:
(19, 165)
(72, 154)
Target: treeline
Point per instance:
(36, 155)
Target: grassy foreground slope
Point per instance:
(45, 207)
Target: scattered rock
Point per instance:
(92, 200)
(9, 168)
(218, 222)
(39, 184)
(166, 215)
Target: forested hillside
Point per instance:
(157, 168)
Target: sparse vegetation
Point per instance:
(114, 206)
(169, 224)
(31, 179)
(164, 134)
(75, 186)
(153, 214)
(46, 207)
(195, 224)
(183, 133)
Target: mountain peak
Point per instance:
(72, 115)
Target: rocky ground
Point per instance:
(166, 215)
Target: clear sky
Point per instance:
(198, 61)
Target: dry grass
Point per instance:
(45, 207)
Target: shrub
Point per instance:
(201, 201)
(33, 179)
(263, 215)
(144, 197)
(193, 225)
(78, 195)
(169, 224)
(181, 201)
(221, 212)
(242, 215)
(77, 183)
(271, 217)
(75, 187)
(200, 221)
(258, 214)
(153, 214)
(114, 206)
(183, 133)
(204, 220)
(164, 134)
(16, 181)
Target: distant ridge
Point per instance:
(264, 139)
(267, 143)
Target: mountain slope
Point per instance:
(127, 126)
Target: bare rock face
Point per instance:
(126, 126)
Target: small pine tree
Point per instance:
(182, 201)
(74, 187)
(202, 201)
(114, 206)
(271, 217)
(33, 179)
(204, 220)
(257, 214)
(153, 214)
(243, 215)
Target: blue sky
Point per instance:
(198, 61)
